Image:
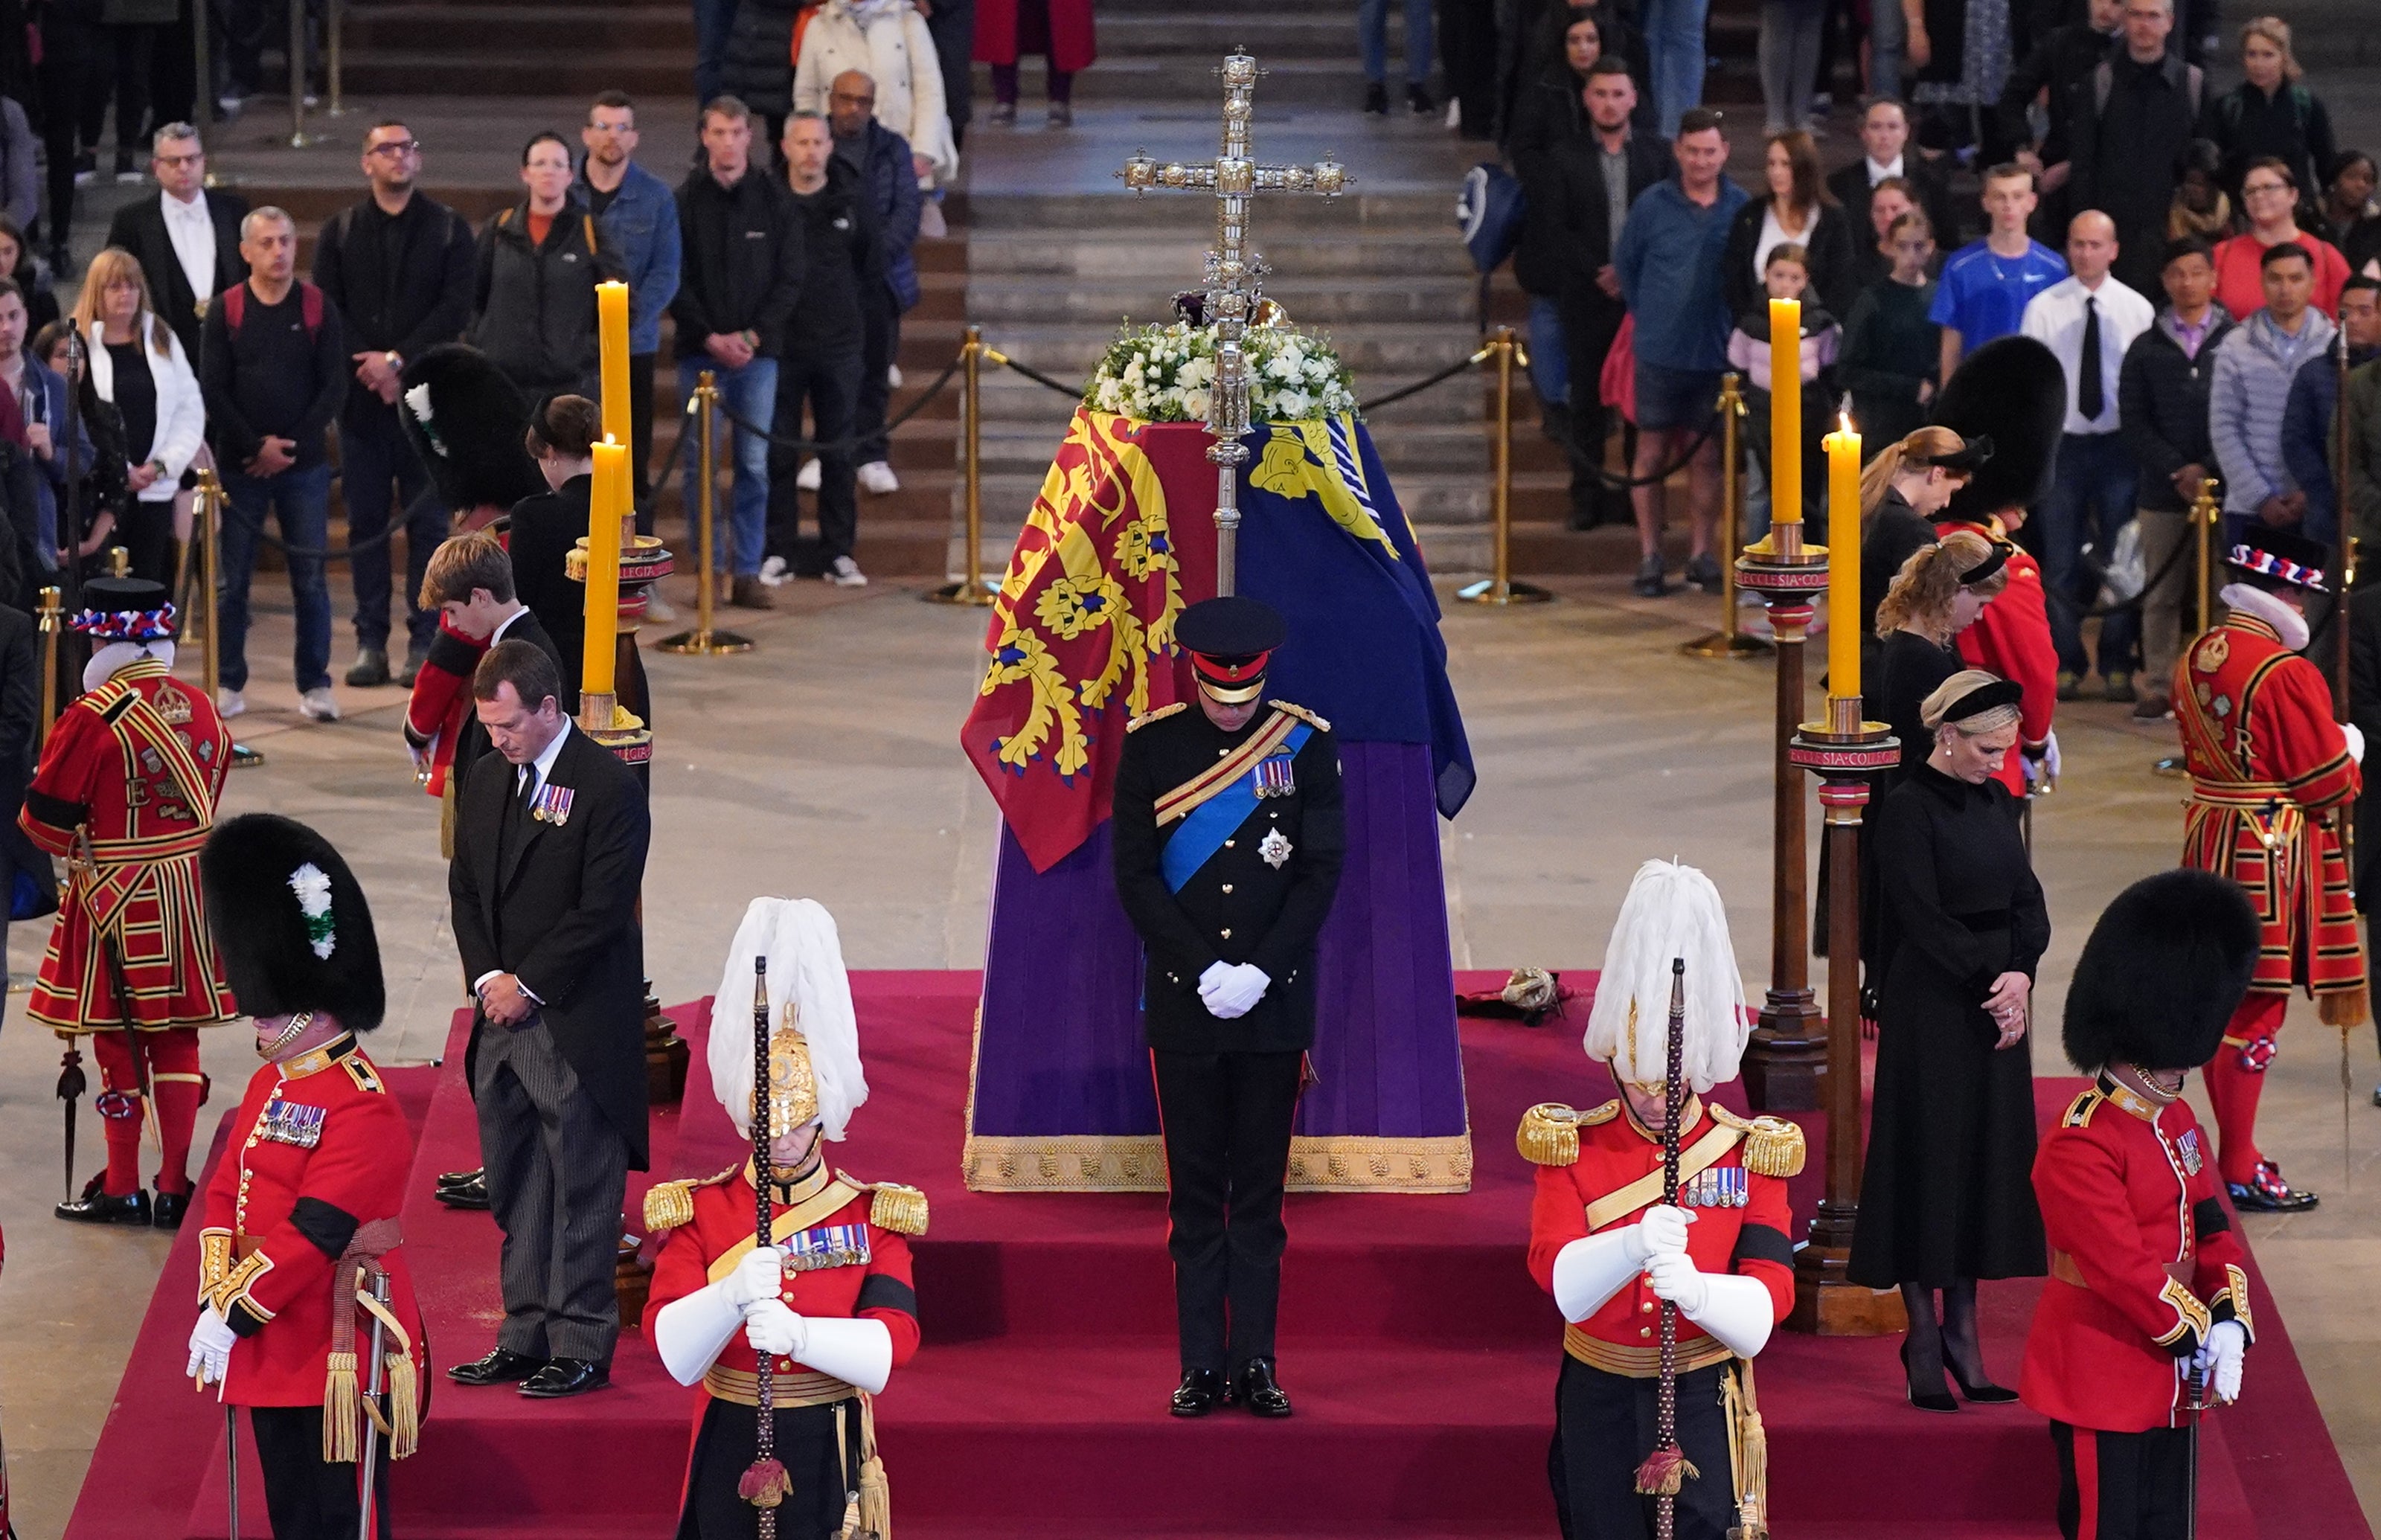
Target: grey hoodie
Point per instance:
(2254, 364)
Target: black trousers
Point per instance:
(374, 456)
(640, 436)
(2137, 1486)
(876, 352)
(724, 1446)
(1591, 321)
(307, 1496)
(830, 383)
(953, 28)
(1604, 1430)
(75, 58)
(1227, 1119)
(135, 51)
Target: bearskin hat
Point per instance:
(467, 422)
(2011, 390)
(290, 921)
(2162, 973)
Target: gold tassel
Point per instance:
(404, 1405)
(875, 1491)
(1549, 1135)
(669, 1206)
(1751, 1460)
(446, 817)
(341, 1406)
(897, 1208)
(2343, 1008)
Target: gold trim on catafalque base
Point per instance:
(1136, 1163)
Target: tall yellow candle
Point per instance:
(609, 501)
(1785, 411)
(612, 333)
(1843, 448)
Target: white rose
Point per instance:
(1196, 405)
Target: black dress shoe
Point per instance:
(2266, 1192)
(167, 1209)
(1198, 1393)
(97, 1208)
(472, 1195)
(1253, 1387)
(1983, 1392)
(503, 1366)
(461, 1178)
(1934, 1400)
(566, 1377)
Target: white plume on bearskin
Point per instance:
(1672, 911)
(798, 937)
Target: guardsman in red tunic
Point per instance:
(2272, 776)
(2011, 638)
(2147, 1293)
(125, 793)
(299, 1260)
(1609, 1251)
(830, 1303)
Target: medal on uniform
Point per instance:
(2188, 1148)
(1715, 1187)
(295, 1123)
(551, 805)
(1273, 776)
(1274, 849)
(826, 1246)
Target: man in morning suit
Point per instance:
(1228, 840)
(186, 239)
(549, 853)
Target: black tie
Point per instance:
(527, 795)
(2089, 399)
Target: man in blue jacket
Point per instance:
(636, 214)
(2307, 430)
(1668, 262)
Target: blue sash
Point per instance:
(1206, 827)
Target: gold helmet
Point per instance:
(793, 1081)
(814, 1072)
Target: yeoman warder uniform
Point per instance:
(2272, 776)
(829, 1303)
(126, 792)
(2148, 1288)
(302, 1215)
(1610, 1251)
(1229, 843)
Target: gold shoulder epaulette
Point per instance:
(1772, 1147)
(2080, 1110)
(891, 1205)
(1549, 1131)
(670, 1205)
(1146, 717)
(1301, 713)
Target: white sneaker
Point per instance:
(807, 478)
(774, 571)
(843, 572)
(877, 479)
(657, 607)
(319, 705)
(892, 376)
(229, 702)
(931, 223)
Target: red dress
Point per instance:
(2011, 638)
(2143, 1262)
(1005, 29)
(138, 762)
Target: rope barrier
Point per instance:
(849, 442)
(313, 553)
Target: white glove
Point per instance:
(690, 1331)
(2051, 763)
(1673, 1275)
(1217, 971)
(211, 1340)
(2219, 1360)
(758, 1276)
(2355, 736)
(1234, 994)
(775, 1330)
(1661, 1231)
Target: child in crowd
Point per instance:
(1891, 351)
(1786, 276)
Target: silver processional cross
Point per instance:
(1235, 279)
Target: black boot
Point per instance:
(96, 1207)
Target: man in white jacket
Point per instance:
(887, 39)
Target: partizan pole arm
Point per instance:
(1666, 1469)
(765, 1483)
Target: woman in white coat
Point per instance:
(138, 366)
(887, 41)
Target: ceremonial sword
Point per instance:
(231, 1463)
(372, 1387)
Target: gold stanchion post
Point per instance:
(1730, 641)
(299, 137)
(335, 20)
(2207, 513)
(210, 513)
(704, 642)
(1501, 589)
(50, 621)
(970, 590)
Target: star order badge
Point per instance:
(1274, 849)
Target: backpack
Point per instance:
(1489, 211)
(310, 307)
(587, 221)
(2104, 77)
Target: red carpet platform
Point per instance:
(1422, 1357)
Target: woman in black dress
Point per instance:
(1947, 1195)
(1939, 594)
(540, 532)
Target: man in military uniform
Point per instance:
(126, 792)
(2271, 776)
(1228, 839)
(2146, 1315)
(1611, 1252)
(307, 1193)
(829, 1302)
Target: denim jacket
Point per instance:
(639, 232)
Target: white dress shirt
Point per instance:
(1878, 173)
(192, 230)
(529, 776)
(2055, 318)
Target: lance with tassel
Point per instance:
(764, 1484)
(2344, 708)
(1668, 1467)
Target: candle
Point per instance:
(612, 333)
(1785, 411)
(1843, 448)
(609, 501)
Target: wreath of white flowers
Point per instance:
(1165, 374)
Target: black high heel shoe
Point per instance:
(1935, 1402)
(1984, 1393)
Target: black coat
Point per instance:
(757, 67)
(139, 229)
(2292, 125)
(533, 305)
(743, 259)
(1237, 907)
(541, 531)
(2052, 68)
(458, 657)
(561, 916)
(1566, 232)
(1850, 185)
(1890, 350)
(2121, 153)
(1948, 1193)
(402, 284)
(2161, 406)
(21, 708)
(2365, 709)
(1829, 251)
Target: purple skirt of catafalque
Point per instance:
(1063, 1099)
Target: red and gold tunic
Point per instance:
(846, 1253)
(1731, 1173)
(315, 1171)
(440, 701)
(2011, 638)
(2268, 766)
(137, 765)
(2142, 1262)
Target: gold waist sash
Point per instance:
(793, 1387)
(1640, 1362)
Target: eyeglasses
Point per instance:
(196, 157)
(851, 101)
(396, 149)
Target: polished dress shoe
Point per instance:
(1253, 1387)
(2263, 1192)
(167, 1209)
(1983, 1392)
(503, 1366)
(1925, 1400)
(97, 1207)
(566, 1377)
(1198, 1393)
(471, 1193)
(462, 1178)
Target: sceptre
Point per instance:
(1668, 1467)
(764, 1484)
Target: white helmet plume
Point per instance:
(805, 955)
(1671, 912)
